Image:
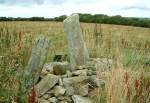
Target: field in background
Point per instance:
(130, 46)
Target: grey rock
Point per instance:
(96, 82)
(64, 76)
(46, 83)
(58, 91)
(50, 92)
(65, 98)
(60, 82)
(80, 99)
(43, 101)
(69, 74)
(80, 67)
(100, 83)
(77, 49)
(53, 100)
(80, 72)
(60, 68)
(74, 80)
(43, 73)
(48, 67)
(73, 85)
(70, 90)
(63, 102)
(90, 73)
(45, 96)
(82, 90)
(87, 66)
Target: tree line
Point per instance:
(89, 18)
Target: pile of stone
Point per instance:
(71, 82)
(59, 84)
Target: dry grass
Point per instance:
(127, 86)
(124, 86)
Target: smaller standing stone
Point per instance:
(34, 67)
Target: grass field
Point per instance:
(129, 46)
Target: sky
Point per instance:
(54, 8)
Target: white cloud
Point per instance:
(60, 7)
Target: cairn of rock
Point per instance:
(71, 82)
(59, 84)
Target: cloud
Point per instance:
(30, 2)
(137, 8)
(20, 2)
(40, 2)
(53, 8)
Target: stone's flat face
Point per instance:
(78, 51)
(46, 83)
(82, 90)
(73, 85)
(69, 90)
(80, 99)
(74, 80)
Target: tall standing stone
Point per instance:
(78, 51)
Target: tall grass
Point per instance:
(14, 52)
(127, 86)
